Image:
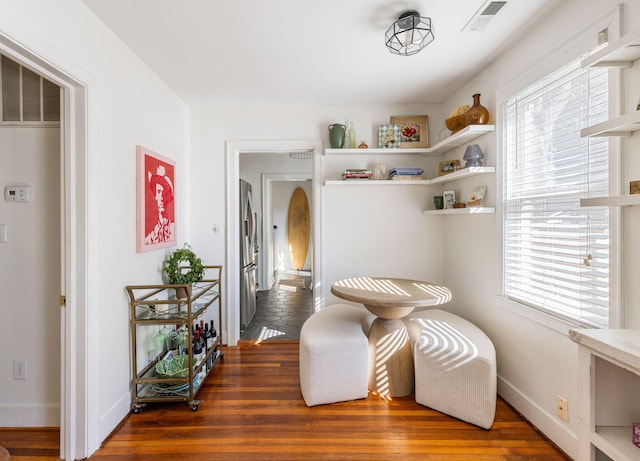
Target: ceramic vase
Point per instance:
(336, 135)
(477, 114)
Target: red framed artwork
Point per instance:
(156, 216)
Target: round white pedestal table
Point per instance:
(390, 299)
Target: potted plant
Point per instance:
(183, 267)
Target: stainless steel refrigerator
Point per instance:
(248, 255)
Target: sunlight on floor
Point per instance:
(268, 333)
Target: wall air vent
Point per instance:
(483, 15)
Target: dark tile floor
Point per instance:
(281, 311)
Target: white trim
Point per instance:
(75, 427)
(231, 329)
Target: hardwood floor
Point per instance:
(253, 410)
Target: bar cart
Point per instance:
(173, 306)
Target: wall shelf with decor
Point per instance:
(462, 137)
(466, 210)
(618, 53)
(455, 176)
(377, 182)
(464, 173)
(377, 151)
(615, 200)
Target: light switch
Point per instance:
(3, 233)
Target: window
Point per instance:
(556, 253)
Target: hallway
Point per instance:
(281, 311)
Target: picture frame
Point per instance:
(414, 131)
(448, 166)
(155, 200)
(449, 198)
(389, 136)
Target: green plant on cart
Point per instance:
(183, 266)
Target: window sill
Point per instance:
(546, 320)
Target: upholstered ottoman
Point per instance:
(455, 366)
(334, 354)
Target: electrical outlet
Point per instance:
(562, 407)
(20, 369)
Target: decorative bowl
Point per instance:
(177, 367)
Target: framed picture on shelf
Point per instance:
(449, 198)
(448, 166)
(414, 131)
(156, 216)
(389, 136)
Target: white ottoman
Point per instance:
(455, 366)
(334, 354)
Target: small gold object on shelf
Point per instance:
(363, 145)
(634, 187)
(457, 120)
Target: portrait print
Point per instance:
(156, 217)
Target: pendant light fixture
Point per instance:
(409, 34)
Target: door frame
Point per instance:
(75, 431)
(232, 217)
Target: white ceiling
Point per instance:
(308, 52)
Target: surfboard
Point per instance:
(298, 228)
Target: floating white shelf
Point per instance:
(464, 173)
(376, 151)
(458, 139)
(618, 53)
(460, 174)
(618, 200)
(376, 182)
(467, 210)
(621, 126)
(461, 138)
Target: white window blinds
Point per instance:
(556, 253)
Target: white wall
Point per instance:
(296, 122)
(127, 105)
(536, 362)
(30, 277)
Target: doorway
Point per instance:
(76, 434)
(234, 150)
(285, 299)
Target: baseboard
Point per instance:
(114, 416)
(558, 433)
(47, 415)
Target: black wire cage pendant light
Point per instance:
(409, 34)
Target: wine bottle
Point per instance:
(208, 337)
(214, 333)
(197, 348)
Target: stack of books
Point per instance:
(357, 173)
(406, 173)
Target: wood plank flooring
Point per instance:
(253, 410)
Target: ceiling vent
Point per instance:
(483, 15)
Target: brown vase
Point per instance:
(477, 114)
(183, 292)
